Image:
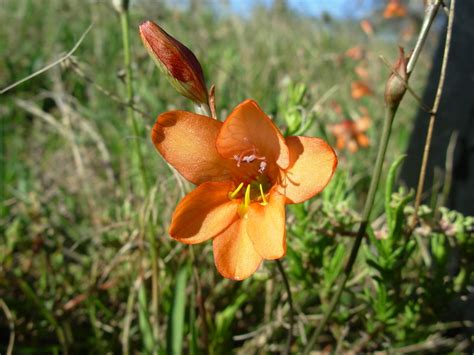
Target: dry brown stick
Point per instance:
(434, 112)
(46, 68)
(11, 325)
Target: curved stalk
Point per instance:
(430, 14)
(290, 303)
(124, 19)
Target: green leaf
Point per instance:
(389, 185)
(176, 326)
(144, 321)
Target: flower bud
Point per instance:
(396, 87)
(176, 61)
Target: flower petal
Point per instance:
(248, 128)
(204, 213)
(187, 141)
(266, 227)
(312, 164)
(234, 254)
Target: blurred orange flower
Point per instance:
(394, 8)
(245, 172)
(362, 72)
(350, 134)
(360, 89)
(367, 27)
(356, 53)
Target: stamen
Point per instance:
(244, 206)
(247, 198)
(264, 200)
(234, 193)
(237, 159)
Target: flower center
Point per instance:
(255, 191)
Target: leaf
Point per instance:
(176, 326)
(144, 321)
(389, 185)
(399, 216)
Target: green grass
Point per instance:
(74, 218)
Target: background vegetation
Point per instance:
(75, 267)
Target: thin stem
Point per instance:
(124, 19)
(434, 113)
(389, 116)
(11, 325)
(430, 14)
(46, 68)
(74, 65)
(127, 321)
(201, 303)
(47, 314)
(290, 303)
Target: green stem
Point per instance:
(47, 314)
(430, 14)
(124, 19)
(290, 303)
(387, 128)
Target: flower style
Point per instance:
(245, 172)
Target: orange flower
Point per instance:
(362, 72)
(245, 172)
(356, 53)
(394, 8)
(350, 133)
(360, 89)
(367, 27)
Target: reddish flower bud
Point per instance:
(176, 61)
(395, 87)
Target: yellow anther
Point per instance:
(234, 193)
(245, 205)
(264, 200)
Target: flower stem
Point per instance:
(124, 19)
(290, 303)
(389, 116)
(434, 112)
(390, 112)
